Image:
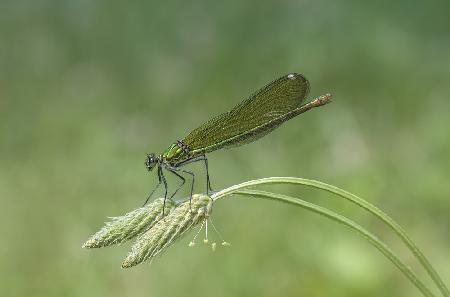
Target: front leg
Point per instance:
(173, 169)
(183, 180)
(163, 178)
(154, 189)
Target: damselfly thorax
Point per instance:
(176, 153)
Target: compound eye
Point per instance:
(148, 160)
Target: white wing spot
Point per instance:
(291, 76)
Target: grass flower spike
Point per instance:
(166, 231)
(130, 225)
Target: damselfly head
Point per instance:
(151, 161)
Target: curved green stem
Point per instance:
(382, 247)
(356, 200)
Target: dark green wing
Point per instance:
(249, 120)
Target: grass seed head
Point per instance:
(166, 231)
(130, 225)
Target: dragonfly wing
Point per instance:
(272, 101)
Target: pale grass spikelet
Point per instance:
(130, 225)
(165, 232)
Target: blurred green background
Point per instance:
(87, 88)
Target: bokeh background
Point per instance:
(87, 88)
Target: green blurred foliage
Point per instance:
(88, 87)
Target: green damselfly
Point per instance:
(253, 118)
